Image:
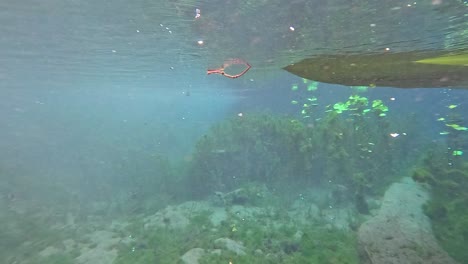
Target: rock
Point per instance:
(171, 217)
(244, 212)
(298, 236)
(97, 255)
(218, 215)
(231, 245)
(303, 212)
(216, 252)
(49, 251)
(400, 232)
(338, 218)
(69, 244)
(103, 250)
(192, 256)
(175, 217)
(258, 252)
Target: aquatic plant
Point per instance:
(379, 107)
(165, 245)
(456, 133)
(355, 153)
(60, 258)
(23, 238)
(306, 99)
(358, 105)
(262, 148)
(263, 239)
(448, 207)
(313, 244)
(361, 146)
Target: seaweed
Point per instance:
(350, 149)
(448, 207)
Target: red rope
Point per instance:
(227, 64)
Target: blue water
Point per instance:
(93, 92)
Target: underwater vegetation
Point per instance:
(248, 163)
(350, 147)
(445, 169)
(448, 207)
(261, 148)
(262, 240)
(23, 237)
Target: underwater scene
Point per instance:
(234, 132)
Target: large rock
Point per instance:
(231, 245)
(400, 232)
(175, 217)
(103, 252)
(192, 256)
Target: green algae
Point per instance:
(266, 236)
(60, 258)
(448, 207)
(353, 151)
(315, 245)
